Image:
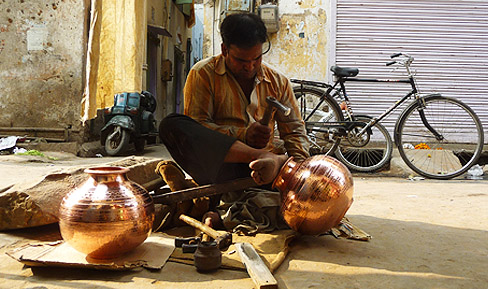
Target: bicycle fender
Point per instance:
(395, 131)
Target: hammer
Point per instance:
(273, 104)
(223, 240)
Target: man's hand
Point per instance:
(257, 135)
(265, 169)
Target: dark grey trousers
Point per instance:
(200, 151)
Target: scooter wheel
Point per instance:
(117, 141)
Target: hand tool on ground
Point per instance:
(223, 240)
(203, 191)
(273, 104)
(187, 245)
(260, 274)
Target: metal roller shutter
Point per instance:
(449, 40)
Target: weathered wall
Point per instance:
(178, 29)
(166, 14)
(209, 32)
(197, 35)
(158, 14)
(299, 49)
(42, 54)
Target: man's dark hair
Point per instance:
(243, 30)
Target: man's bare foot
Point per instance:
(266, 167)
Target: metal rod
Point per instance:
(202, 191)
(37, 129)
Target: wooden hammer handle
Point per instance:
(201, 226)
(267, 115)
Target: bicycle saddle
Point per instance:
(344, 71)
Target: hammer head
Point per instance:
(276, 104)
(224, 241)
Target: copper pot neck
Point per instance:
(107, 174)
(288, 169)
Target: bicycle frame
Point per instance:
(374, 120)
(414, 92)
(341, 82)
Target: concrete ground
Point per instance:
(426, 234)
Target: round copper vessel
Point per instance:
(315, 194)
(106, 216)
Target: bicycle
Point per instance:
(437, 137)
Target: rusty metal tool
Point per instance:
(187, 245)
(203, 191)
(223, 240)
(256, 268)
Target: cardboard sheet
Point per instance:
(152, 254)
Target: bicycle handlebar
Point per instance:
(405, 61)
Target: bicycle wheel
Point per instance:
(453, 152)
(368, 152)
(317, 109)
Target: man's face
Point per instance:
(244, 63)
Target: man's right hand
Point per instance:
(257, 135)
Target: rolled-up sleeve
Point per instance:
(292, 127)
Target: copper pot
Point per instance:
(106, 216)
(315, 194)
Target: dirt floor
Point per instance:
(426, 234)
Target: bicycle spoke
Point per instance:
(451, 154)
(317, 111)
(426, 136)
(367, 152)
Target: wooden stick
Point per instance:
(260, 274)
(199, 225)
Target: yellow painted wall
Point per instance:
(299, 49)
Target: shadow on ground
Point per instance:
(401, 254)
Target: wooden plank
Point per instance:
(259, 272)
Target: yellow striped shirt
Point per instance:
(214, 98)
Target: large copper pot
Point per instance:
(107, 215)
(315, 194)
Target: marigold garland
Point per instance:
(422, 146)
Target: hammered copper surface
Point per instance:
(106, 216)
(315, 194)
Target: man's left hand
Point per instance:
(265, 169)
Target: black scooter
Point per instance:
(130, 120)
